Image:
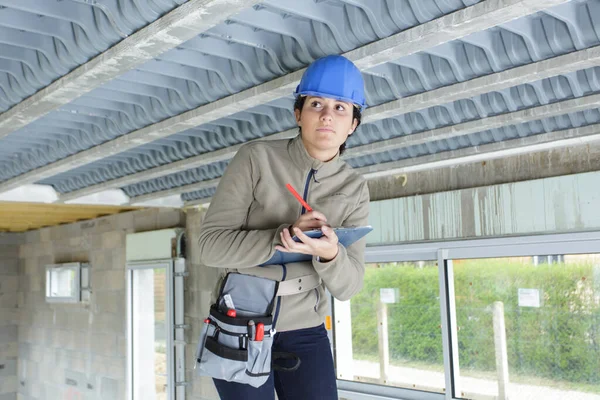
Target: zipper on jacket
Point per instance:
(306, 185)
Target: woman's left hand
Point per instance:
(325, 247)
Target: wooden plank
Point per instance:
(19, 217)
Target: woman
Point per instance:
(252, 215)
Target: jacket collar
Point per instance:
(303, 160)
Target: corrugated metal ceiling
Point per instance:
(41, 40)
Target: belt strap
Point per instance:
(300, 284)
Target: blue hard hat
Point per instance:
(333, 77)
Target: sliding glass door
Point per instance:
(492, 319)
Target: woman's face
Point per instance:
(326, 124)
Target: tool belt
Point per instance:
(236, 341)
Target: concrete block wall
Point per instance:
(199, 293)
(9, 314)
(78, 351)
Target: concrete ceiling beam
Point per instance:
(502, 80)
(167, 32)
(530, 144)
(453, 26)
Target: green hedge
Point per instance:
(560, 340)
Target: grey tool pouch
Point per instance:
(230, 347)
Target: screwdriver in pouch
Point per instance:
(260, 332)
(251, 328)
(202, 342)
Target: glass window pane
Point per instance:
(61, 282)
(549, 307)
(395, 328)
(149, 334)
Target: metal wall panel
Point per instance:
(553, 205)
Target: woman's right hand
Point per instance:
(308, 221)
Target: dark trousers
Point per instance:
(314, 380)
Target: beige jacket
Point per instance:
(252, 206)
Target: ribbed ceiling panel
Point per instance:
(529, 39)
(254, 46)
(42, 40)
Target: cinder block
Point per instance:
(9, 266)
(9, 316)
(100, 259)
(75, 379)
(104, 344)
(45, 234)
(8, 396)
(109, 389)
(24, 351)
(11, 238)
(78, 320)
(170, 218)
(110, 367)
(145, 220)
(55, 392)
(8, 283)
(32, 236)
(9, 334)
(119, 259)
(9, 300)
(111, 280)
(24, 284)
(46, 259)
(110, 302)
(37, 281)
(80, 256)
(113, 240)
(8, 384)
(109, 323)
(9, 251)
(44, 318)
(8, 368)
(9, 351)
(38, 391)
(62, 338)
(125, 220)
(73, 230)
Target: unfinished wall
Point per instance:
(198, 294)
(9, 314)
(77, 352)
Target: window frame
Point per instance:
(174, 318)
(76, 283)
(444, 252)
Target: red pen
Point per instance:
(298, 197)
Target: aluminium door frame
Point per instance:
(443, 252)
(174, 321)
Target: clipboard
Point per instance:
(346, 236)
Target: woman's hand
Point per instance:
(325, 247)
(308, 221)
